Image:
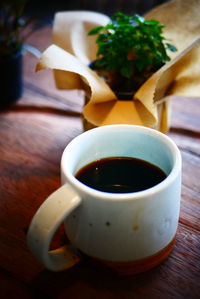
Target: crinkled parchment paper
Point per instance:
(73, 49)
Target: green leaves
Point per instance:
(95, 30)
(11, 25)
(130, 44)
(171, 47)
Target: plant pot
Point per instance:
(163, 106)
(163, 112)
(11, 79)
(122, 96)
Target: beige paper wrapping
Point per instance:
(73, 49)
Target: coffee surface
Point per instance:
(120, 175)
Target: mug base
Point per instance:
(133, 267)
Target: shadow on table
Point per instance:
(41, 109)
(85, 281)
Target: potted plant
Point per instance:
(12, 37)
(130, 50)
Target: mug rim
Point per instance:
(131, 195)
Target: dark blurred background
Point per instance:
(45, 9)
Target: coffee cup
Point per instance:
(127, 232)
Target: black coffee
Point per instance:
(120, 175)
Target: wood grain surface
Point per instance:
(33, 134)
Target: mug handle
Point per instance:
(44, 224)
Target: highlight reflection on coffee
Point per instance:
(120, 175)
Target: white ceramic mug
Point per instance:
(128, 232)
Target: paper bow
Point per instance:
(73, 49)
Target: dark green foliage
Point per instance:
(130, 46)
(11, 24)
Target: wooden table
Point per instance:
(33, 134)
